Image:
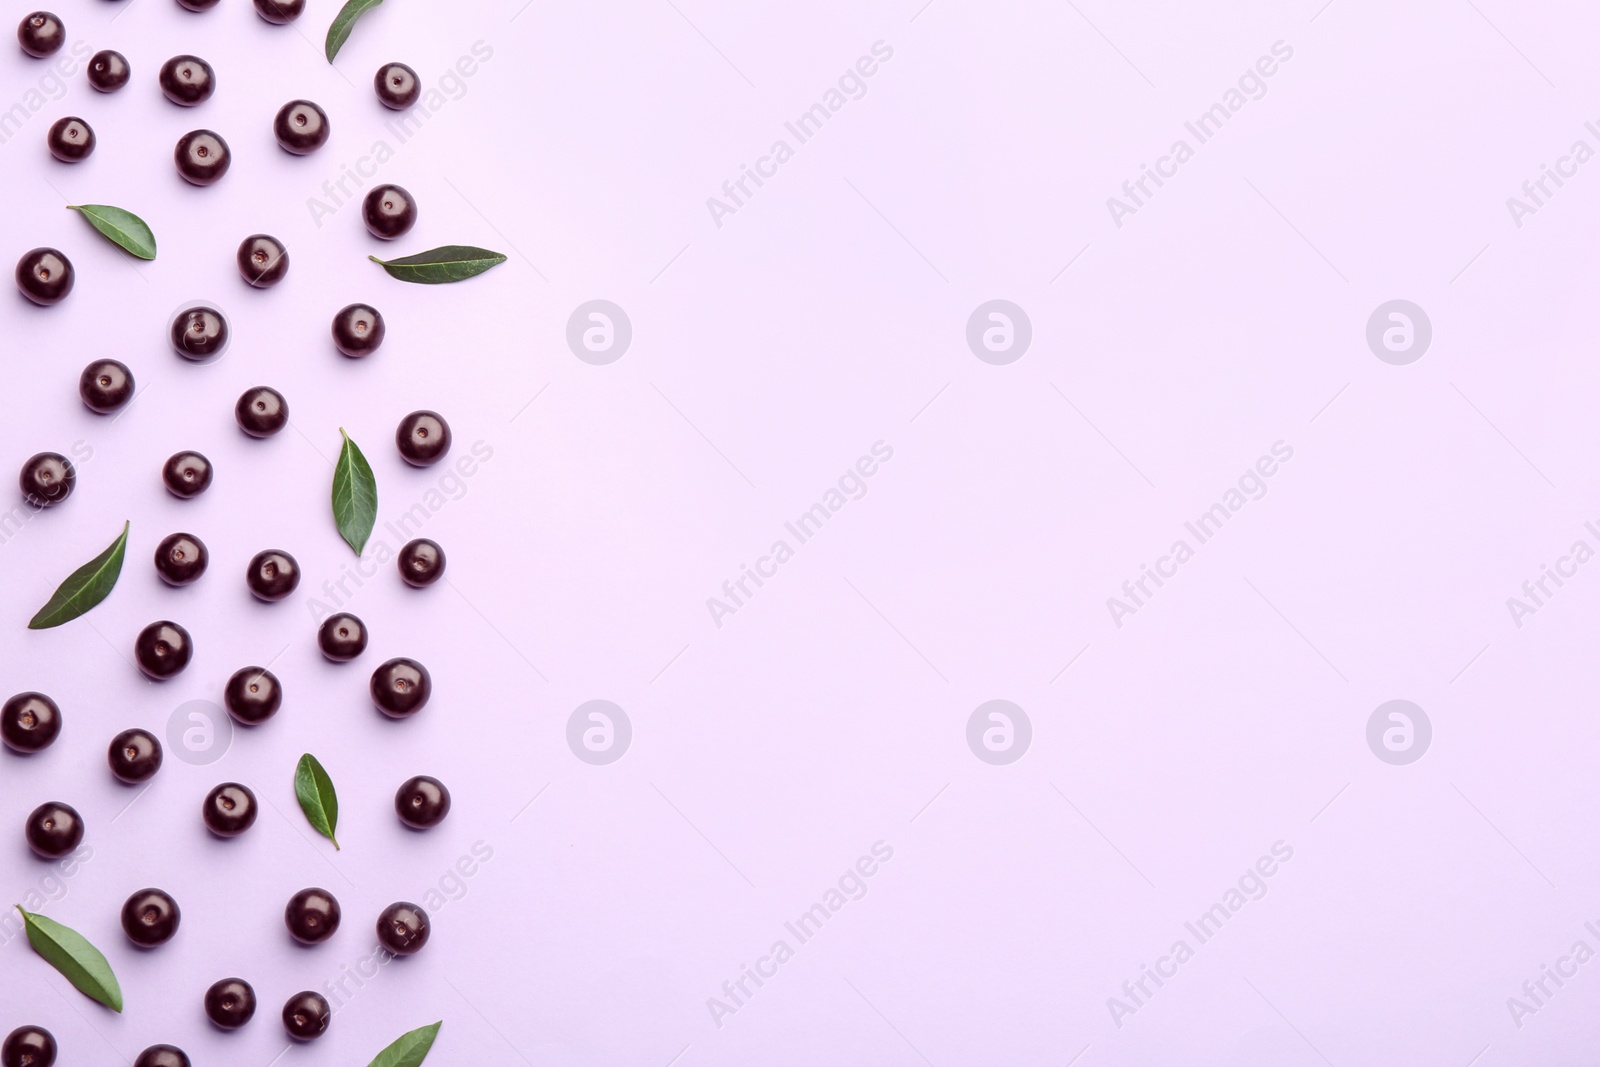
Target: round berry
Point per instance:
(272, 575)
(230, 1003)
(403, 928)
(186, 474)
(105, 386)
(162, 1056)
(280, 12)
(263, 261)
(358, 330)
(301, 126)
(53, 830)
(135, 756)
(187, 80)
(29, 722)
(423, 438)
(306, 1015)
(41, 34)
(150, 918)
(342, 637)
(47, 479)
(197, 5)
(181, 559)
(389, 212)
(422, 803)
(45, 276)
(312, 916)
(70, 140)
(253, 695)
(199, 333)
(28, 1046)
(229, 810)
(401, 687)
(262, 411)
(108, 71)
(421, 563)
(397, 86)
(163, 650)
(202, 157)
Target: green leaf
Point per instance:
(78, 961)
(84, 587)
(355, 495)
(124, 229)
(451, 263)
(344, 22)
(408, 1050)
(314, 789)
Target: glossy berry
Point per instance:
(197, 5)
(389, 212)
(135, 756)
(187, 80)
(421, 563)
(423, 438)
(272, 575)
(262, 411)
(70, 140)
(280, 12)
(29, 722)
(301, 126)
(53, 830)
(162, 1056)
(401, 687)
(422, 803)
(28, 1046)
(41, 34)
(403, 928)
(229, 810)
(397, 86)
(105, 385)
(199, 333)
(263, 261)
(342, 637)
(47, 479)
(253, 695)
(150, 918)
(231, 1003)
(306, 1016)
(45, 276)
(358, 330)
(202, 157)
(181, 558)
(186, 474)
(312, 916)
(108, 71)
(162, 650)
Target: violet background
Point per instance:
(830, 712)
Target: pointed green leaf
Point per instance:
(408, 1050)
(355, 495)
(451, 263)
(314, 789)
(123, 228)
(84, 587)
(344, 22)
(78, 961)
